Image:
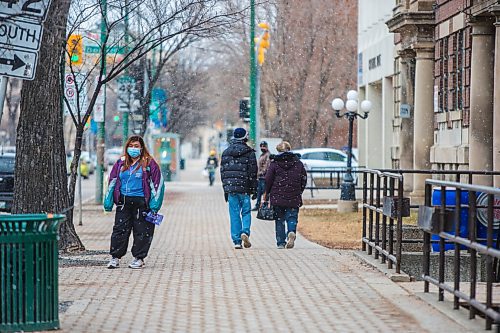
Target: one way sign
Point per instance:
(20, 64)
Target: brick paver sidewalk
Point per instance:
(194, 281)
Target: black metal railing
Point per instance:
(378, 226)
(382, 234)
(331, 178)
(445, 222)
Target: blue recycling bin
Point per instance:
(481, 229)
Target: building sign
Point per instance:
(405, 111)
(375, 62)
(360, 69)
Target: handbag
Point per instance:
(266, 212)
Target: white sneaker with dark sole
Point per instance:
(291, 240)
(136, 264)
(114, 263)
(246, 241)
(238, 246)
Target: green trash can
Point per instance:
(167, 173)
(29, 269)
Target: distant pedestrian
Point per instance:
(263, 165)
(212, 164)
(136, 187)
(286, 179)
(239, 180)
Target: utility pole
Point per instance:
(253, 77)
(126, 113)
(101, 130)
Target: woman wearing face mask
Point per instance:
(136, 187)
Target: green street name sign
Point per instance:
(109, 50)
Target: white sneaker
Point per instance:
(291, 240)
(238, 246)
(114, 263)
(136, 264)
(246, 241)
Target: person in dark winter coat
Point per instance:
(238, 170)
(263, 165)
(286, 179)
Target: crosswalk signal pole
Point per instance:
(101, 129)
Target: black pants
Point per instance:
(129, 217)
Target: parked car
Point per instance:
(324, 158)
(85, 156)
(84, 166)
(112, 155)
(317, 159)
(7, 149)
(7, 163)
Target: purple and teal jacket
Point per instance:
(152, 184)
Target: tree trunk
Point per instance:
(74, 165)
(40, 179)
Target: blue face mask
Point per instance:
(134, 152)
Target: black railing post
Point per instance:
(458, 210)
(370, 226)
(427, 240)
(442, 217)
(377, 218)
(384, 224)
(365, 190)
(473, 253)
(489, 260)
(399, 233)
(391, 224)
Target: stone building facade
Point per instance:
(375, 82)
(447, 67)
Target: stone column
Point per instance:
(423, 136)
(406, 130)
(496, 104)
(481, 101)
(374, 127)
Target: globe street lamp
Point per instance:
(347, 188)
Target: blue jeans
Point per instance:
(288, 215)
(239, 214)
(261, 188)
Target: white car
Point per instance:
(112, 155)
(332, 161)
(324, 158)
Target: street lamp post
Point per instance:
(347, 201)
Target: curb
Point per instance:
(375, 263)
(459, 316)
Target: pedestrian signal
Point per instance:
(245, 109)
(74, 48)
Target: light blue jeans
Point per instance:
(239, 214)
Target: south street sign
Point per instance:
(20, 34)
(16, 63)
(36, 9)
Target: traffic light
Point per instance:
(245, 109)
(263, 43)
(75, 49)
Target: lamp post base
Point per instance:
(347, 206)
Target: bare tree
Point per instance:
(163, 26)
(312, 59)
(40, 183)
(186, 107)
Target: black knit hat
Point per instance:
(240, 133)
